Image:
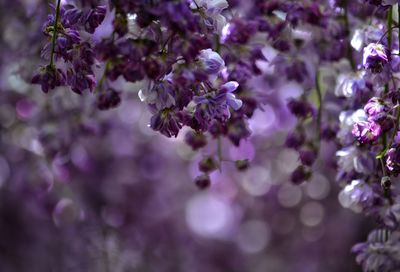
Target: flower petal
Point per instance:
(230, 86)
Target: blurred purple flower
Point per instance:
(375, 57)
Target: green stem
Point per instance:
(54, 37)
(219, 152)
(387, 191)
(389, 26)
(383, 167)
(398, 21)
(319, 98)
(396, 126)
(389, 39)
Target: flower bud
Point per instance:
(195, 139)
(207, 165)
(300, 175)
(108, 99)
(242, 165)
(386, 183)
(202, 181)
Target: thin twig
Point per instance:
(54, 37)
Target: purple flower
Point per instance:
(381, 2)
(357, 195)
(94, 18)
(240, 73)
(207, 165)
(177, 16)
(238, 31)
(49, 78)
(166, 122)
(231, 99)
(295, 140)
(66, 42)
(108, 99)
(351, 159)
(391, 215)
(300, 108)
(393, 160)
(329, 133)
(237, 130)
(202, 181)
(296, 71)
(211, 61)
(80, 80)
(375, 107)
(300, 175)
(375, 57)
(380, 252)
(307, 156)
(73, 35)
(212, 10)
(70, 15)
(374, 2)
(86, 54)
(105, 49)
(161, 95)
(211, 6)
(350, 85)
(242, 165)
(215, 105)
(195, 139)
(366, 131)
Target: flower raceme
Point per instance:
(181, 70)
(208, 66)
(65, 42)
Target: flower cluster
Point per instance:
(193, 60)
(360, 117)
(66, 43)
(207, 68)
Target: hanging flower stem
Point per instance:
(54, 37)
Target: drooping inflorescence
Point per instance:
(193, 62)
(199, 64)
